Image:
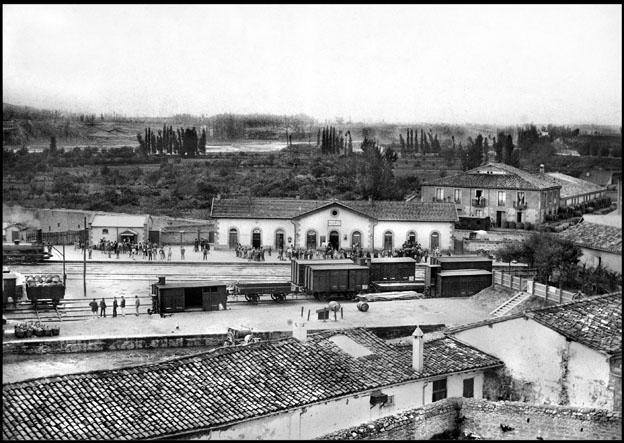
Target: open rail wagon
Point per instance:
(253, 291)
(44, 289)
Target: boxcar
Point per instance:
(342, 280)
(462, 282)
(462, 262)
(298, 268)
(184, 296)
(401, 268)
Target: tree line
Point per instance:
(184, 142)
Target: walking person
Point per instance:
(90, 251)
(169, 254)
(205, 251)
(102, 308)
(137, 303)
(94, 308)
(123, 306)
(115, 306)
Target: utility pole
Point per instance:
(84, 259)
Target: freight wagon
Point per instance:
(188, 296)
(457, 276)
(341, 280)
(298, 268)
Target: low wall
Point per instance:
(532, 422)
(491, 421)
(58, 345)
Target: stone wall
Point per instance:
(489, 420)
(525, 421)
(415, 424)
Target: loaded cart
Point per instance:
(253, 291)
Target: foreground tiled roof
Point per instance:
(217, 388)
(571, 186)
(595, 236)
(510, 178)
(291, 208)
(595, 321)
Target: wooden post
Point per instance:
(64, 274)
(302, 312)
(308, 315)
(546, 286)
(341, 313)
(84, 259)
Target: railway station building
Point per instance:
(378, 225)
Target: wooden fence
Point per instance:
(58, 238)
(519, 283)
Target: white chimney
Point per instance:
(417, 349)
(542, 170)
(300, 331)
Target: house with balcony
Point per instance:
(498, 191)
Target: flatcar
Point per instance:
(252, 291)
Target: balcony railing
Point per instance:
(478, 202)
(519, 205)
(437, 200)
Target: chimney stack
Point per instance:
(541, 171)
(161, 280)
(300, 331)
(417, 350)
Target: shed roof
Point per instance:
(495, 176)
(463, 272)
(595, 236)
(595, 321)
(571, 186)
(119, 221)
(291, 208)
(219, 387)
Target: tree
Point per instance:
(375, 175)
(53, 145)
(507, 150)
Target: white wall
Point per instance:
(588, 378)
(349, 223)
(609, 260)
(245, 227)
(423, 233)
(533, 353)
(320, 419)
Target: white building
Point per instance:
(601, 244)
(569, 354)
(300, 387)
(119, 227)
(310, 223)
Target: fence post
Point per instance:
(560, 296)
(546, 286)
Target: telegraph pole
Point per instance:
(84, 259)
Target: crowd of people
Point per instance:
(121, 304)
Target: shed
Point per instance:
(462, 282)
(185, 296)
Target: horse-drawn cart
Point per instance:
(253, 291)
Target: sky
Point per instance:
(494, 64)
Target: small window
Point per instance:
(104, 231)
(458, 196)
(439, 390)
(390, 401)
(58, 225)
(501, 198)
(439, 194)
(468, 388)
(334, 212)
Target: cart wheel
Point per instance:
(280, 298)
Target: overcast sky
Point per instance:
(499, 64)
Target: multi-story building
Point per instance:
(498, 191)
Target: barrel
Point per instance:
(362, 306)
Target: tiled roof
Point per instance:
(121, 221)
(291, 208)
(217, 388)
(502, 177)
(595, 236)
(571, 186)
(599, 177)
(595, 322)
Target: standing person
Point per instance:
(94, 308)
(115, 306)
(137, 303)
(182, 252)
(123, 306)
(102, 308)
(90, 251)
(169, 254)
(149, 254)
(205, 251)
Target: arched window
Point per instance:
(411, 238)
(435, 241)
(104, 231)
(311, 240)
(233, 238)
(387, 244)
(356, 239)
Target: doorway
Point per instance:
(435, 241)
(499, 218)
(256, 238)
(311, 240)
(519, 217)
(233, 240)
(334, 239)
(279, 239)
